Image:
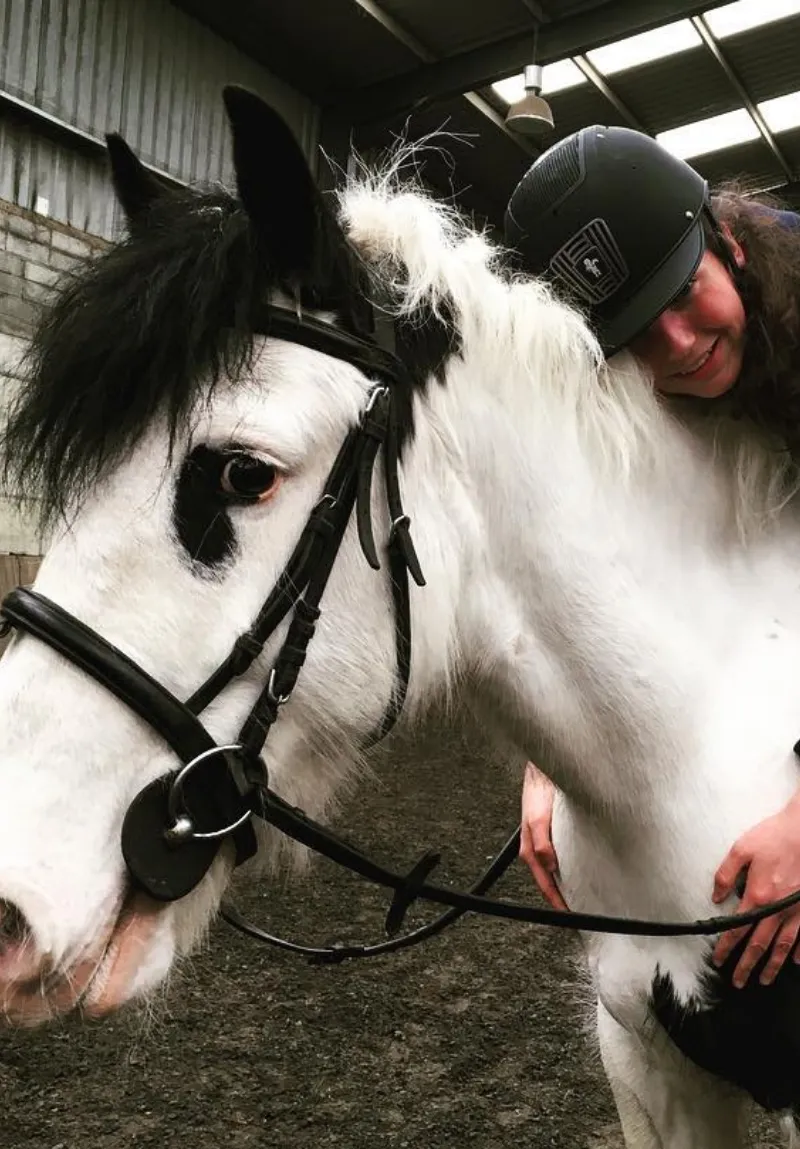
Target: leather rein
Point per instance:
(175, 826)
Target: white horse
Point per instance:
(614, 587)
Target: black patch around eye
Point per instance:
(201, 510)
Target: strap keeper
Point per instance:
(375, 419)
(321, 520)
(292, 656)
(246, 650)
(306, 613)
(374, 424)
(401, 527)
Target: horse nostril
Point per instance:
(14, 928)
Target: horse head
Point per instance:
(187, 398)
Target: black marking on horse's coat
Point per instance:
(749, 1037)
(427, 340)
(200, 511)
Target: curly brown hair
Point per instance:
(768, 389)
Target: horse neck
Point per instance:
(559, 586)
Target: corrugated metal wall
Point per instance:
(74, 185)
(140, 67)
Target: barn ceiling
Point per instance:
(379, 68)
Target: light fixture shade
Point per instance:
(532, 114)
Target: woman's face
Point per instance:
(695, 347)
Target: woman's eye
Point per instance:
(246, 477)
(682, 296)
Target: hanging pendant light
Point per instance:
(532, 114)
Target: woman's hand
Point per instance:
(770, 855)
(536, 844)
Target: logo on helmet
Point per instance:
(591, 263)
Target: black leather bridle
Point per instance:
(175, 826)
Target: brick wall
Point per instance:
(18, 534)
(34, 252)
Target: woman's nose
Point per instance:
(674, 332)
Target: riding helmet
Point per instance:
(615, 221)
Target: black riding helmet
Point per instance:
(614, 218)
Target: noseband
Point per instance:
(176, 825)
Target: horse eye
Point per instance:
(246, 477)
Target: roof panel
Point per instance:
(789, 143)
(315, 45)
(752, 162)
(766, 60)
(451, 26)
(674, 91)
(575, 108)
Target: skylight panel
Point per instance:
(556, 77)
(510, 89)
(782, 113)
(745, 14)
(559, 76)
(702, 137)
(645, 47)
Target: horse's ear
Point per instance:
(275, 184)
(137, 189)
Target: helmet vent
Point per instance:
(556, 173)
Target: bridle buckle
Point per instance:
(278, 699)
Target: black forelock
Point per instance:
(145, 330)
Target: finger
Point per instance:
(757, 945)
(540, 827)
(548, 887)
(727, 943)
(526, 850)
(725, 877)
(544, 850)
(784, 943)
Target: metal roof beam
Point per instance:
(713, 47)
(491, 114)
(594, 77)
(536, 10)
(479, 67)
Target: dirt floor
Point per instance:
(475, 1039)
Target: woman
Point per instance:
(706, 293)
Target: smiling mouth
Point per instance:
(700, 363)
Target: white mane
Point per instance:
(429, 257)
